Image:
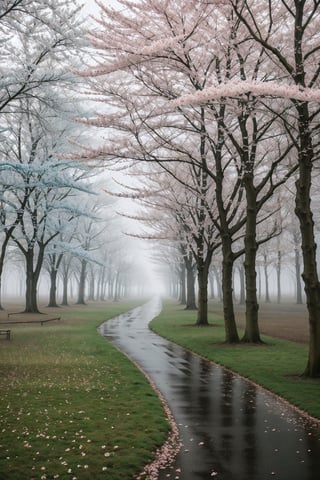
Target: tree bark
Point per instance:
(298, 276)
(218, 282)
(231, 331)
(82, 283)
(191, 294)
(182, 276)
(65, 288)
(2, 257)
(202, 317)
(91, 287)
(116, 288)
(252, 333)
(259, 283)
(53, 288)
(102, 284)
(242, 298)
(266, 278)
(279, 277)
(304, 213)
(211, 285)
(31, 284)
(8, 232)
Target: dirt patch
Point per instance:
(282, 320)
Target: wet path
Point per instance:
(230, 430)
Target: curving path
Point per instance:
(230, 429)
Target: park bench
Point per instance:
(7, 333)
(46, 320)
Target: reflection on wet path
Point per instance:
(229, 428)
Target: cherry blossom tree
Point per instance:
(298, 67)
(182, 55)
(245, 131)
(215, 60)
(142, 132)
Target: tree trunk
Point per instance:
(116, 290)
(211, 285)
(203, 270)
(266, 278)
(2, 257)
(8, 233)
(1, 307)
(259, 283)
(102, 284)
(110, 285)
(191, 294)
(228, 307)
(218, 282)
(31, 284)
(65, 288)
(242, 298)
(304, 214)
(251, 333)
(298, 276)
(53, 288)
(182, 275)
(279, 277)
(91, 287)
(82, 283)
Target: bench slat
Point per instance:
(7, 333)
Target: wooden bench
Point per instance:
(7, 333)
(30, 321)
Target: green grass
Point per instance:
(72, 406)
(277, 365)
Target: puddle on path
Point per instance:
(229, 428)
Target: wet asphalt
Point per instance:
(229, 428)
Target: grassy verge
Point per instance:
(72, 406)
(277, 365)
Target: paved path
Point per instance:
(230, 430)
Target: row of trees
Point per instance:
(52, 212)
(216, 105)
(278, 270)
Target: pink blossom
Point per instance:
(255, 87)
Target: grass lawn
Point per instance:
(276, 365)
(71, 405)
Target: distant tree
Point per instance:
(66, 268)
(190, 273)
(35, 188)
(185, 202)
(90, 234)
(54, 262)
